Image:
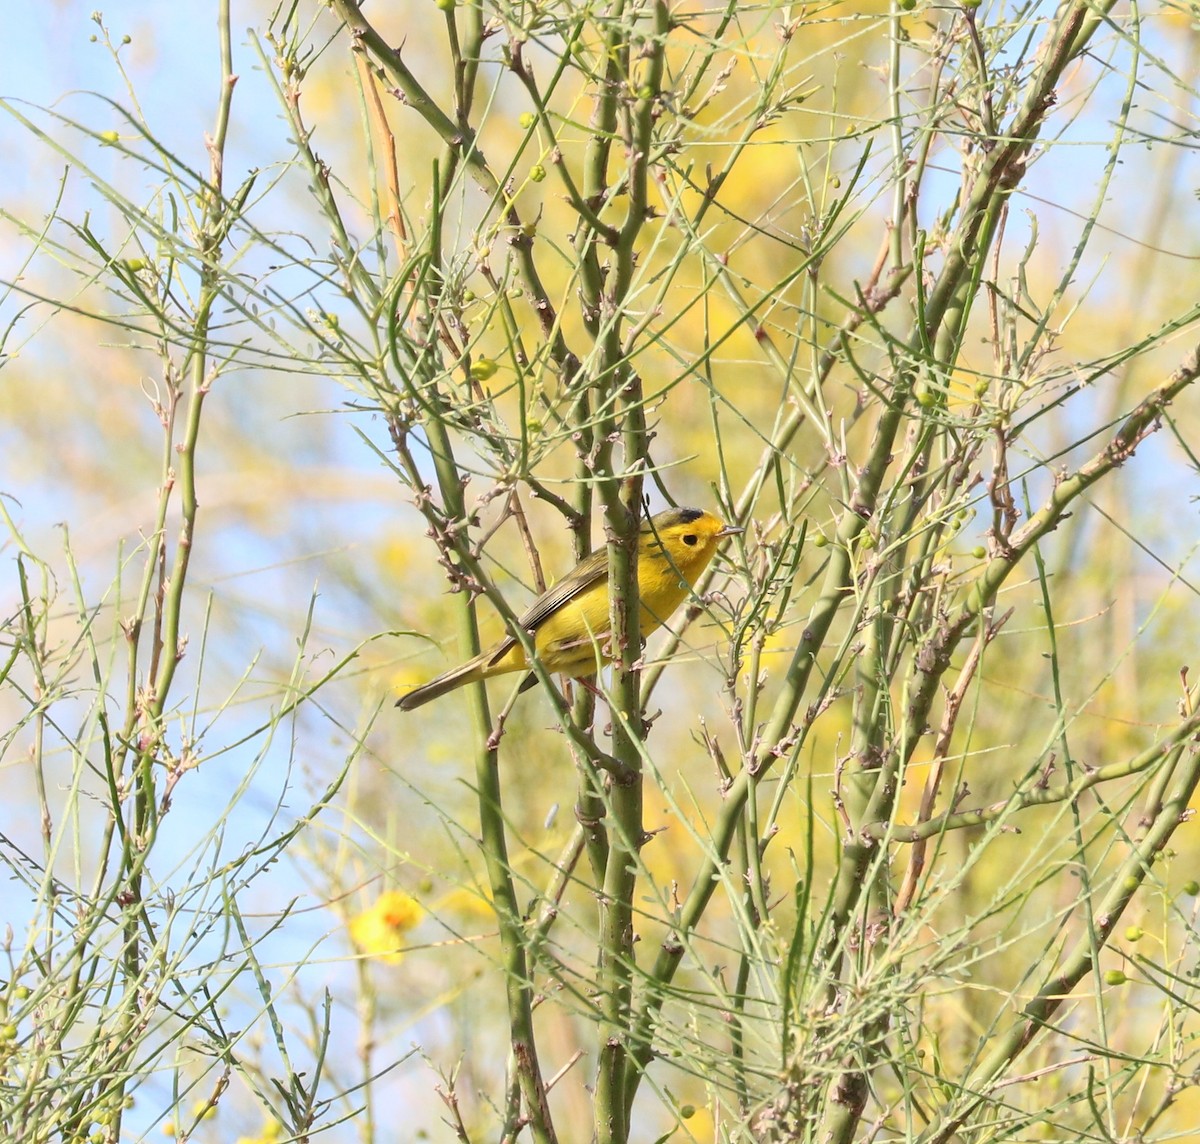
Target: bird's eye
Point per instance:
(690, 538)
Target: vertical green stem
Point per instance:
(622, 495)
(514, 960)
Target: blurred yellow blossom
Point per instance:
(468, 902)
(379, 930)
(204, 1110)
(271, 1132)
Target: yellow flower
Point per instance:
(379, 931)
(270, 1133)
(204, 1110)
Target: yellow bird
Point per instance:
(570, 621)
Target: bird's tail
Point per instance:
(470, 672)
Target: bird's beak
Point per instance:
(730, 530)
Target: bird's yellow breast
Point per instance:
(574, 640)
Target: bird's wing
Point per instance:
(592, 569)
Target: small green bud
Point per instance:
(820, 541)
(537, 172)
(979, 552)
(483, 368)
(1192, 887)
(527, 119)
(1114, 977)
(1134, 933)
